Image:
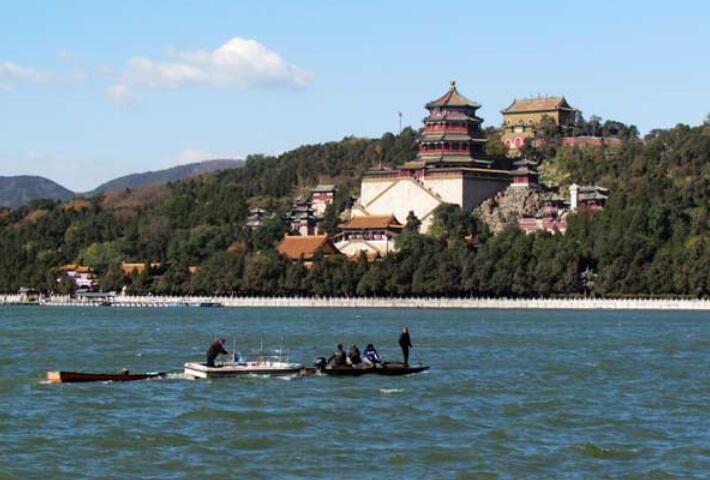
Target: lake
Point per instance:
(511, 394)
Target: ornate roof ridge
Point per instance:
(452, 98)
(539, 103)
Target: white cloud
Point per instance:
(240, 62)
(79, 73)
(122, 95)
(13, 73)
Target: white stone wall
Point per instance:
(406, 302)
(319, 207)
(478, 189)
(371, 187)
(450, 189)
(354, 247)
(402, 196)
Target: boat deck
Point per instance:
(235, 369)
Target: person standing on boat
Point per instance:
(405, 342)
(339, 357)
(215, 349)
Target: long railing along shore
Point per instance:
(372, 302)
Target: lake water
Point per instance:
(511, 394)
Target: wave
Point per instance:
(596, 451)
(389, 391)
(211, 413)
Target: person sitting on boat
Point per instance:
(354, 355)
(371, 355)
(339, 357)
(215, 349)
(405, 342)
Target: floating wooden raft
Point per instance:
(72, 377)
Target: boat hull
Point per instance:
(78, 377)
(390, 369)
(200, 370)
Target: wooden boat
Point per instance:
(72, 377)
(387, 368)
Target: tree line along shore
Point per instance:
(651, 239)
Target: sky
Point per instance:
(93, 90)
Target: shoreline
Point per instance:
(357, 302)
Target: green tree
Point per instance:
(412, 224)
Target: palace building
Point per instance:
(306, 247)
(302, 217)
(372, 234)
(525, 174)
(321, 197)
(81, 275)
(452, 131)
(587, 197)
(525, 114)
(451, 167)
(552, 217)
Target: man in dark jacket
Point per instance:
(404, 343)
(354, 355)
(339, 357)
(215, 349)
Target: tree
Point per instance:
(262, 273)
(412, 224)
(66, 285)
(113, 280)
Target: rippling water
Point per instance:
(511, 394)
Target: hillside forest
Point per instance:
(652, 239)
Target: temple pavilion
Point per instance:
(450, 167)
(452, 132)
(524, 115)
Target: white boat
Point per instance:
(235, 369)
(260, 363)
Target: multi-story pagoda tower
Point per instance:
(452, 132)
(451, 167)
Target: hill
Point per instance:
(19, 190)
(161, 177)
(651, 239)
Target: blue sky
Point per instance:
(93, 90)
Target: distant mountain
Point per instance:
(168, 175)
(18, 190)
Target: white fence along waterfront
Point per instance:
(377, 302)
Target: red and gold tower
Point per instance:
(452, 132)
